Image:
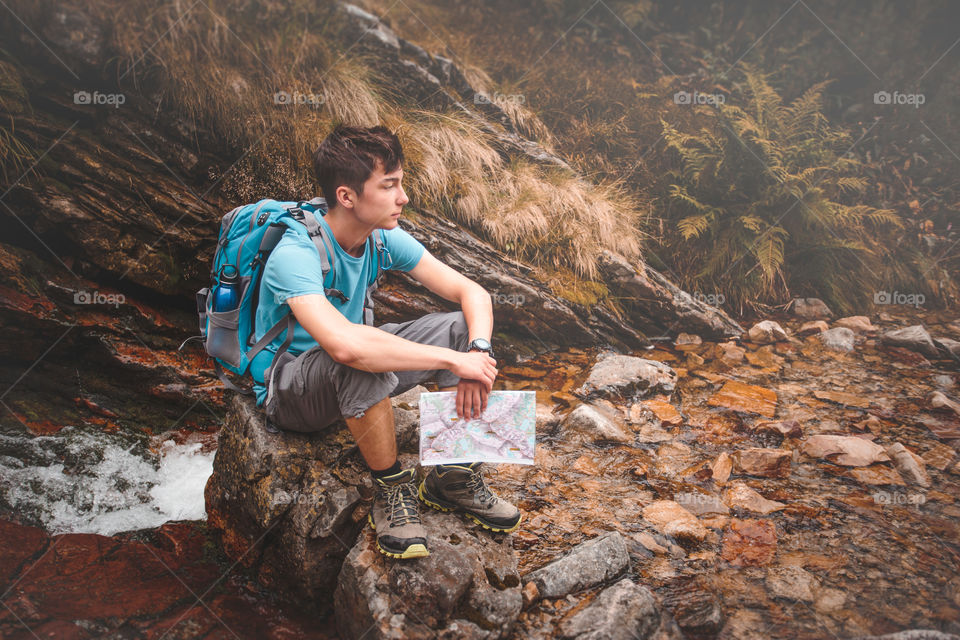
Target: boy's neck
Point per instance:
(351, 235)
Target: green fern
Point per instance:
(762, 201)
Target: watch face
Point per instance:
(480, 343)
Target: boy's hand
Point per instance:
(476, 366)
(471, 399)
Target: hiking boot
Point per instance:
(395, 516)
(461, 487)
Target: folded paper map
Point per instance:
(505, 432)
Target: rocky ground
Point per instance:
(799, 482)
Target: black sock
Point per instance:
(387, 472)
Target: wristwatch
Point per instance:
(479, 344)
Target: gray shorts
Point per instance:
(311, 391)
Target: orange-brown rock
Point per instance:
(666, 412)
(859, 324)
(765, 463)
(781, 428)
(841, 397)
(96, 577)
(740, 496)
(850, 451)
(722, 467)
(670, 518)
(877, 474)
(20, 543)
(750, 543)
(745, 397)
(812, 327)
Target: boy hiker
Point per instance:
(335, 365)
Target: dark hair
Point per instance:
(349, 155)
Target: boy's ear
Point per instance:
(346, 196)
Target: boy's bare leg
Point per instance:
(375, 434)
(395, 513)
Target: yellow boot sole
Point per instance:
(413, 551)
(433, 505)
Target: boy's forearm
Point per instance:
(372, 349)
(375, 350)
(478, 312)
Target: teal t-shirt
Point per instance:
(294, 269)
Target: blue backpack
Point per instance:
(248, 235)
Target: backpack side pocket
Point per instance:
(223, 331)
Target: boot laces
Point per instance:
(402, 505)
(478, 485)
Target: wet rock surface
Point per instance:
(623, 611)
(588, 564)
(625, 376)
(169, 582)
(694, 606)
(287, 505)
(806, 528)
(468, 587)
(806, 533)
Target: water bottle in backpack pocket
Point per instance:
(223, 328)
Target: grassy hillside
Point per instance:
(873, 198)
(773, 193)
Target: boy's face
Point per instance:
(382, 199)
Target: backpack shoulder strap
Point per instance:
(323, 244)
(379, 247)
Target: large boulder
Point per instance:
(850, 451)
(623, 611)
(809, 308)
(287, 505)
(586, 565)
(838, 339)
(656, 304)
(767, 332)
(915, 338)
(627, 376)
(468, 587)
(596, 423)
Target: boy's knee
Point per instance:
(359, 390)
